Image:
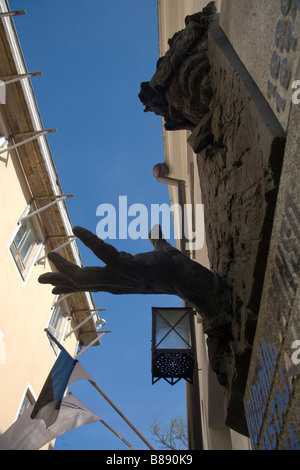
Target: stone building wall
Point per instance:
(235, 89)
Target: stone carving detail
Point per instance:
(180, 89)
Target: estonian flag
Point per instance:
(49, 401)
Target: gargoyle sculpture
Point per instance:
(180, 90)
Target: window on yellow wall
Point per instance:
(27, 402)
(56, 324)
(23, 246)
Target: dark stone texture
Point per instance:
(272, 398)
(239, 161)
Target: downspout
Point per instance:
(194, 422)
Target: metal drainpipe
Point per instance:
(194, 421)
(160, 172)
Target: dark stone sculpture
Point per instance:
(180, 89)
(165, 270)
(201, 85)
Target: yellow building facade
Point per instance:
(34, 221)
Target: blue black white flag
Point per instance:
(49, 401)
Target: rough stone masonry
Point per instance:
(240, 146)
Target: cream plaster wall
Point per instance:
(25, 307)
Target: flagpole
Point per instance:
(121, 414)
(118, 435)
(113, 431)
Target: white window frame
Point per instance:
(28, 389)
(63, 326)
(4, 134)
(37, 249)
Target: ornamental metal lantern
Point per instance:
(172, 344)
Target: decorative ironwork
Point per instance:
(172, 366)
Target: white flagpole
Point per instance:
(113, 431)
(117, 434)
(121, 414)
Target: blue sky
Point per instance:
(94, 54)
